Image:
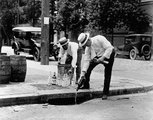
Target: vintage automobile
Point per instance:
(136, 45)
(28, 40)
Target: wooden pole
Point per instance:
(45, 33)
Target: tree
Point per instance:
(134, 17)
(106, 15)
(52, 19)
(71, 16)
(32, 12)
(14, 12)
(8, 14)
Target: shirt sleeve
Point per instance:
(108, 52)
(61, 52)
(74, 50)
(108, 48)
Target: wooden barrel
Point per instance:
(5, 69)
(18, 68)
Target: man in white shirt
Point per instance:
(98, 50)
(73, 55)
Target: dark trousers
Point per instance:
(0, 48)
(78, 64)
(0, 45)
(107, 72)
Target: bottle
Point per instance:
(54, 79)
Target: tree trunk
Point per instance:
(112, 37)
(74, 35)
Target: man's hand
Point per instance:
(102, 60)
(95, 60)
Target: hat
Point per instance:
(63, 41)
(83, 37)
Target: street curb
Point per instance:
(45, 97)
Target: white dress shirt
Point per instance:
(72, 51)
(100, 46)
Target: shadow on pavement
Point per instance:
(70, 101)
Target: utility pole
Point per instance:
(45, 33)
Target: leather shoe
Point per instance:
(104, 97)
(85, 86)
(81, 82)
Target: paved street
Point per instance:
(135, 69)
(129, 76)
(125, 107)
(35, 87)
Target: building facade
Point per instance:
(147, 6)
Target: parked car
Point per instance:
(28, 40)
(136, 45)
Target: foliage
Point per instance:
(32, 11)
(8, 12)
(101, 15)
(71, 14)
(134, 17)
(15, 12)
(108, 14)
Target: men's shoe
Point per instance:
(81, 82)
(85, 86)
(104, 97)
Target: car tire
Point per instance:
(148, 57)
(146, 50)
(133, 54)
(36, 54)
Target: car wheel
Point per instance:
(148, 57)
(36, 54)
(146, 50)
(133, 54)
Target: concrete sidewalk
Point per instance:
(35, 89)
(136, 76)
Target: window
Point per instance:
(130, 39)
